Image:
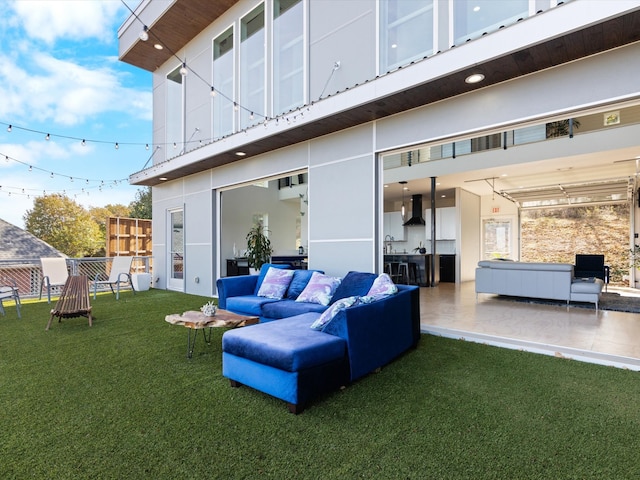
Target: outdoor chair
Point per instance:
(9, 291)
(54, 274)
(591, 266)
(119, 274)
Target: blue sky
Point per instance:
(60, 74)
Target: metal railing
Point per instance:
(27, 272)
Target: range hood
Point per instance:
(416, 212)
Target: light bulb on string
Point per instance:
(117, 146)
(144, 36)
(83, 143)
(213, 91)
(48, 137)
(183, 69)
(30, 168)
(9, 128)
(146, 147)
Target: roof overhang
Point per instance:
(579, 43)
(171, 24)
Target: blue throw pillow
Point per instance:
(354, 284)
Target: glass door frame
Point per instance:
(175, 250)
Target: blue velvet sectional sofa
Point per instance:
(286, 358)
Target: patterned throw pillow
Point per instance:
(275, 283)
(382, 287)
(320, 289)
(332, 311)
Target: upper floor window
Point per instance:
(288, 55)
(406, 32)
(472, 19)
(223, 111)
(175, 112)
(252, 67)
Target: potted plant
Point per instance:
(258, 247)
(420, 249)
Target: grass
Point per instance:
(121, 400)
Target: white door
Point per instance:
(175, 261)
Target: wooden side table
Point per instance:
(195, 321)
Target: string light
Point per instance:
(9, 128)
(54, 174)
(144, 35)
(48, 137)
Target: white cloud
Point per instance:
(66, 93)
(68, 19)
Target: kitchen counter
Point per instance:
(296, 261)
(427, 266)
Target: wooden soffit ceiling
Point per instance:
(177, 26)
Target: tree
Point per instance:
(142, 205)
(64, 225)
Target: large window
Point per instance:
(496, 239)
(472, 19)
(406, 32)
(252, 67)
(223, 82)
(175, 112)
(288, 55)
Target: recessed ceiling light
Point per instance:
(394, 45)
(157, 46)
(240, 154)
(474, 78)
(163, 178)
(476, 8)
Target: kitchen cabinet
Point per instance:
(445, 223)
(237, 266)
(393, 226)
(427, 266)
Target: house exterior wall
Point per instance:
(345, 176)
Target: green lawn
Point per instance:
(121, 400)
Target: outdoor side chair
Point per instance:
(119, 274)
(9, 291)
(54, 274)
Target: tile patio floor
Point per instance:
(607, 338)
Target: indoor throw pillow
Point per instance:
(275, 283)
(320, 289)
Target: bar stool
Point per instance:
(387, 268)
(403, 272)
(414, 273)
